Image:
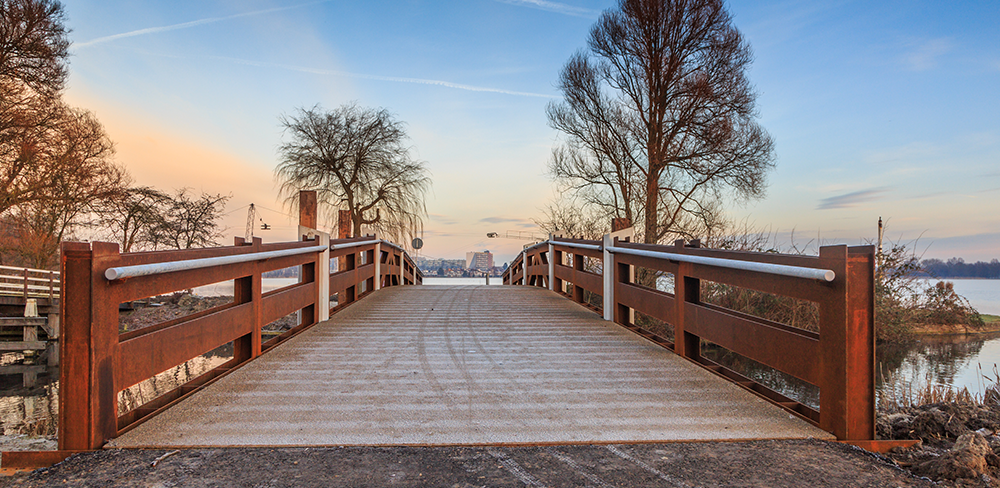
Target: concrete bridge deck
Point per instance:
(470, 365)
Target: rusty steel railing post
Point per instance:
(308, 221)
(88, 406)
(75, 426)
(686, 290)
(847, 399)
(242, 293)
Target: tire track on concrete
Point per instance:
(425, 364)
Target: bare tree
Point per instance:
(136, 219)
(73, 155)
(356, 156)
(33, 53)
(566, 218)
(192, 222)
(660, 117)
(33, 44)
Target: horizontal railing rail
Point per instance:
(839, 359)
(99, 361)
(29, 282)
(190, 264)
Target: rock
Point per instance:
(188, 300)
(966, 460)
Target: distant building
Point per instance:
(479, 260)
(439, 266)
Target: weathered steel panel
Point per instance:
(765, 343)
(283, 302)
(655, 303)
(145, 356)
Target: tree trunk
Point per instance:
(650, 212)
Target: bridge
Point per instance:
(555, 356)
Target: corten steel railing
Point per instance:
(29, 283)
(839, 359)
(98, 362)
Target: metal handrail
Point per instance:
(159, 268)
(776, 269)
(592, 247)
(353, 244)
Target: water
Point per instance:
(439, 280)
(953, 361)
(225, 288)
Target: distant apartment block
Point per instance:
(431, 266)
(479, 260)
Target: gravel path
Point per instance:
(799, 463)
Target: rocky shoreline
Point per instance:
(959, 445)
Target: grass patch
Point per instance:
(989, 319)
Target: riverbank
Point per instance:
(959, 444)
(991, 324)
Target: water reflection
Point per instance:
(29, 394)
(29, 390)
(955, 361)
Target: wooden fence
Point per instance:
(839, 359)
(29, 283)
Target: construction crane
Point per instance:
(516, 234)
(252, 221)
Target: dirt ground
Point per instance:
(801, 463)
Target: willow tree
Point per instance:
(356, 157)
(660, 118)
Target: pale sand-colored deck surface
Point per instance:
(427, 365)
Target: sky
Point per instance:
(877, 109)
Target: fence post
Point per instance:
(609, 278)
(25, 284)
(378, 265)
(88, 406)
(323, 277)
(686, 290)
(552, 265)
(847, 335)
(75, 426)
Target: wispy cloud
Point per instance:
(852, 199)
(559, 8)
(193, 23)
(396, 79)
(925, 54)
(500, 220)
(442, 219)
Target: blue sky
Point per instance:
(877, 108)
